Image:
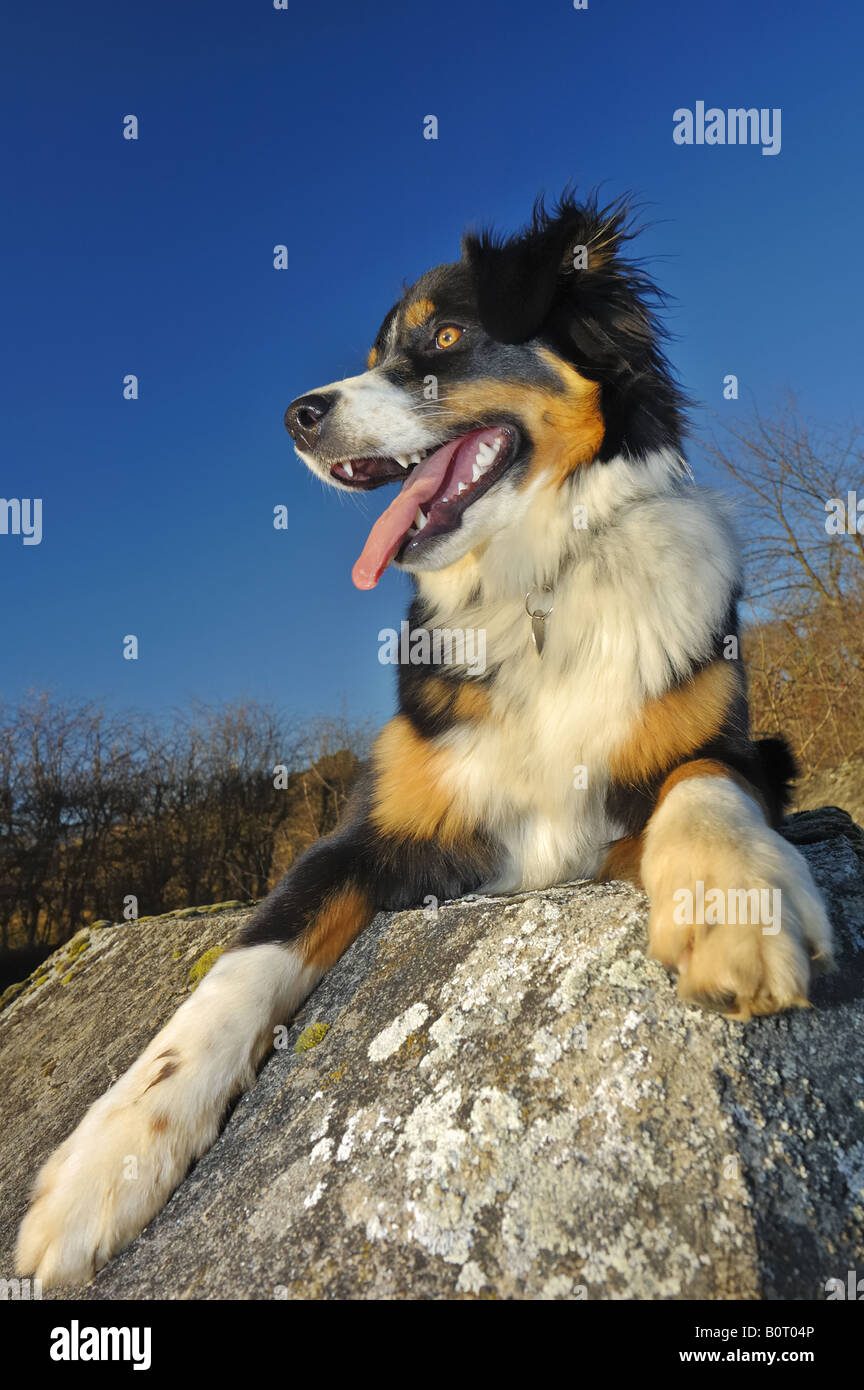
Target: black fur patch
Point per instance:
(396, 873)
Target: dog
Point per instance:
(522, 400)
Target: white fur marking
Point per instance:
(134, 1145)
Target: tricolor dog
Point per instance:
(521, 405)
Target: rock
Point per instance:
(503, 1100)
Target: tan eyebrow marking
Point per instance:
(419, 312)
(372, 358)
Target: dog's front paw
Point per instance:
(734, 909)
(110, 1177)
(738, 968)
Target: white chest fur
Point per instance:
(638, 596)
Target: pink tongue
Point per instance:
(389, 530)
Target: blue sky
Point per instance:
(304, 127)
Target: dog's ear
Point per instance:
(566, 281)
(519, 281)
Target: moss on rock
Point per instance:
(11, 992)
(203, 964)
(311, 1037)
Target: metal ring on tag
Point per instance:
(538, 613)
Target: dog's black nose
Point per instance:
(303, 417)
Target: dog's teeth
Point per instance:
(420, 520)
(463, 487)
(477, 472)
(347, 468)
(485, 453)
(416, 458)
(402, 460)
(497, 445)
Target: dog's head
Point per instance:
(510, 369)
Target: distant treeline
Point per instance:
(212, 805)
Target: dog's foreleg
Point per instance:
(134, 1145)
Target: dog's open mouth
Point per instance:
(437, 491)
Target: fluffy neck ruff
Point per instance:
(562, 526)
(643, 565)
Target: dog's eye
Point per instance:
(447, 336)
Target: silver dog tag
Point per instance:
(538, 613)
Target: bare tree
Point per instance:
(804, 558)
